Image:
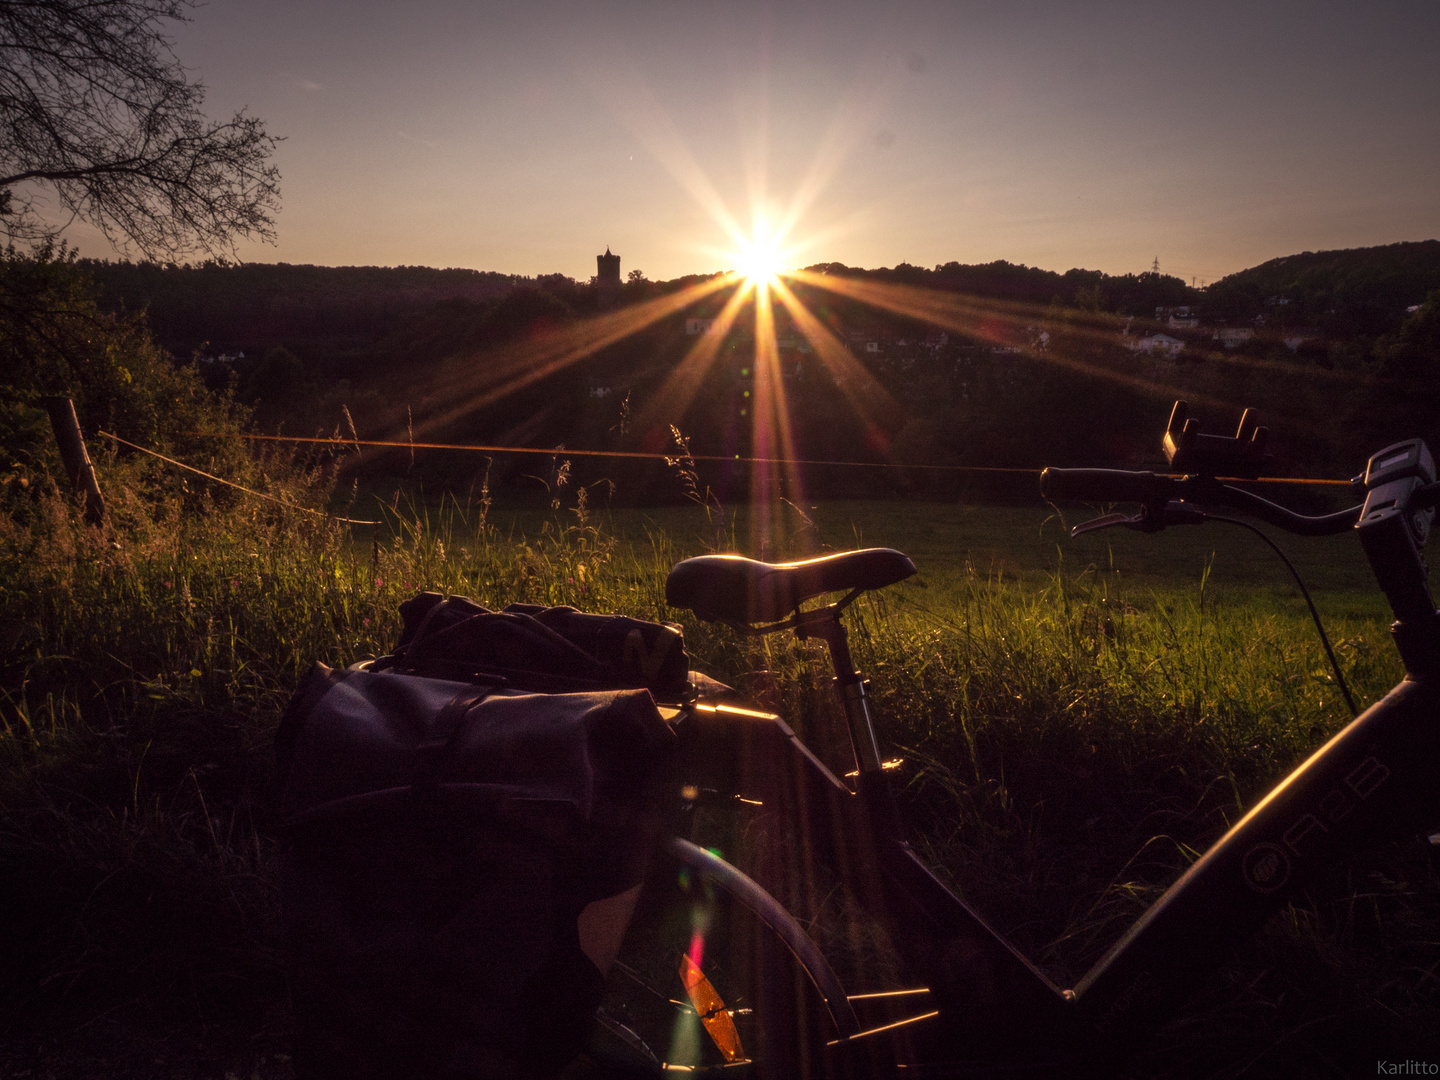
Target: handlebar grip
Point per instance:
(1105, 485)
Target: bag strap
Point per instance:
(403, 650)
(434, 747)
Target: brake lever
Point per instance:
(1106, 522)
(1150, 519)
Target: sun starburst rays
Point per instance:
(776, 474)
(469, 383)
(764, 293)
(678, 390)
(865, 393)
(1001, 324)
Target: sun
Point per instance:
(760, 260)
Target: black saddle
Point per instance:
(734, 589)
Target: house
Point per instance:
(1177, 318)
(1295, 338)
(1163, 344)
(1232, 336)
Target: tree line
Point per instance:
(320, 349)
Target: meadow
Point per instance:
(1077, 720)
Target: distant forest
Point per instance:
(1339, 350)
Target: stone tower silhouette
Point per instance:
(607, 277)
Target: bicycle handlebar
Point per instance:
(1291, 522)
(1105, 485)
(1119, 485)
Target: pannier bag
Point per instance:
(443, 838)
(540, 648)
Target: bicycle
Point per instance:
(968, 1002)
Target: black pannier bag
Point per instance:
(442, 838)
(540, 648)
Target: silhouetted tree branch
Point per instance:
(95, 106)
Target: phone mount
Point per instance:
(1191, 452)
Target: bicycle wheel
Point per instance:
(704, 986)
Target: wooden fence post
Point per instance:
(75, 456)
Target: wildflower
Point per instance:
(234, 583)
(379, 582)
(365, 622)
(166, 584)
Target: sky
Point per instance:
(528, 138)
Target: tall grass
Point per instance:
(1067, 750)
(144, 670)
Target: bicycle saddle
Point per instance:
(732, 588)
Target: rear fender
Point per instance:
(771, 912)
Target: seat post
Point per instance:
(871, 784)
(851, 687)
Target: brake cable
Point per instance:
(1155, 516)
(1324, 638)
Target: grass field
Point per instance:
(1077, 719)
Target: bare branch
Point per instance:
(95, 107)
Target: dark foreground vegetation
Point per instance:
(1071, 741)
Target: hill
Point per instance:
(1348, 293)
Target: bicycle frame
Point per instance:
(1372, 782)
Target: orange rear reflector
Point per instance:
(711, 1009)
